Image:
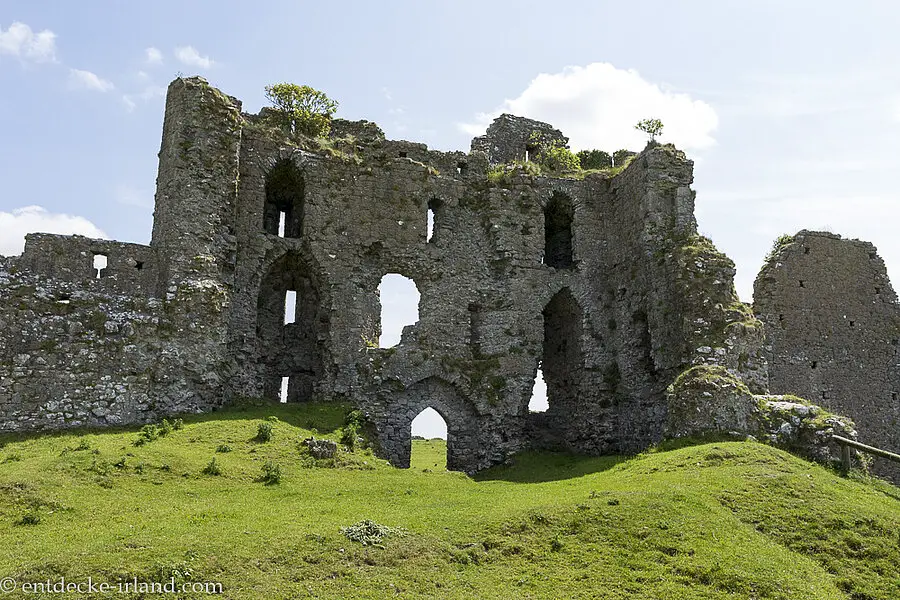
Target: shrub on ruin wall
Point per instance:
(594, 159)
(301, 109)
(553, 156)
(782, 241)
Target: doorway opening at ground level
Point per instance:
(429, 441)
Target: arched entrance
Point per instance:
(562, 362)
(290, 323)
(429, 441)
(395, 428)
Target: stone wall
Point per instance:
(833, 332)
(510, 138)
(602, 282)
(131, 268)
(77, 353)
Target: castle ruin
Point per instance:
(601, 281)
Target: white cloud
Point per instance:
(598, 105)
(85, 80)
(14, 225)
(19, 40)
(152, 56)
(188, 55)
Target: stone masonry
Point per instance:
(833, 332)
(601, 281)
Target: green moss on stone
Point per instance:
(709, 376)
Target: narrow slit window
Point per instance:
(285, 383)
(282, 219)
(431, 220)
(100, 263)
(290, 307)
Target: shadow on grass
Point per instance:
(537, 467)
(324, 417)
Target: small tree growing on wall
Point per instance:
(652, 127)
(301, 109)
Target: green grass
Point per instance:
(429, 455)
(719, 520)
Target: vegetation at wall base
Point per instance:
(708, 520)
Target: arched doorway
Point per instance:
(283, 209)
(562, 362)
(290, 322)
(428, 450)
(464, 453)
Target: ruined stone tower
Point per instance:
(833, 332)
(601, 281)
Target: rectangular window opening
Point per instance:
(139, 265)
(290, 307)
(282, 219)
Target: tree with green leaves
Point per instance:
(301, 109)
(652, 127)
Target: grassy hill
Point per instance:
(720, 520)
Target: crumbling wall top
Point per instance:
(509, 138)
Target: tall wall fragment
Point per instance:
(833, 332)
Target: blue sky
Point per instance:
(791, 110)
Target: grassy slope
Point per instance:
(724, 520)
